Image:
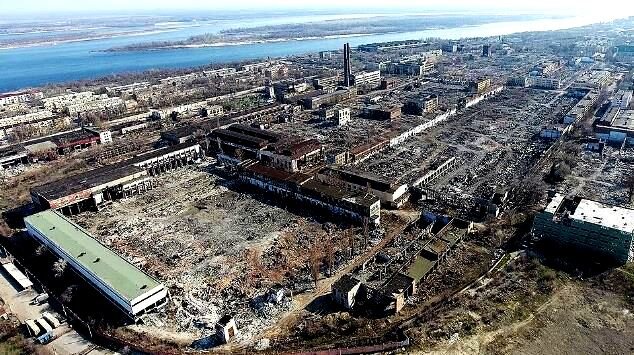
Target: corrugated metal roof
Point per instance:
(121, 276)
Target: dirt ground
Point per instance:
(578, 317)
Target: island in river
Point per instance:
(339, 28)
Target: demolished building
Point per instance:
(91, 189)
(306, 189)
(606, 231)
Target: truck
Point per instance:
(45, 338)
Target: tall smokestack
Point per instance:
(347, 72)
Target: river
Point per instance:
(39, 65)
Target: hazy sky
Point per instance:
(616, 7)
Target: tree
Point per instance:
(366, 231)
(5, 231)
(59, 267)
(329, 253)
(314, 261)
(349, 238)
(558, 172)
(174, 116)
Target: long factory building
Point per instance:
(306, 189)
(126, 286)
(91, 189)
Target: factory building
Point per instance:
(416, 68)
(59, 103)
(623, 98)
(326, 99)
(479, 86)
(421, 105)
(37, 119)
(394, 45)
(337, 115)
(486, 50)
(241, 142)
(607, 231)
(18, 97)
(367, 150)
(367, 78)
(377, 112)
(126, 286)
(616, 126)
(519, 81)
(327, 83)
(582, 108)
(305, 189)
(93, 188)
(625, 52)
(594, 79)
(13, 155)
(390, 192)
(542, 82)
(345, 290)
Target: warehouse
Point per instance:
(126, 286)
(391, 193)
(305, 189)
(607, 231)
(91, 189)
(13, 155)
(166, 159)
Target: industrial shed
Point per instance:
(125, 285)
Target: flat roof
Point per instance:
(624, 119)
(420, 267)
(85, 181)
(17, 275)
(123, 277)
(613, 217)
(152, 154)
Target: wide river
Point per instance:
(63, 62)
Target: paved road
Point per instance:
(18, 302)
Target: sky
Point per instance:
(617, 7)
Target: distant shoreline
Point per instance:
(85, 39)
(242, 43)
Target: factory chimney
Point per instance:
(347, 73)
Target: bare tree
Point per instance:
(366, 232)
(40, 250)
(254, 267)
(329, 253)
(59, 267)
(314, 261)
(349, 238)
(5, 231)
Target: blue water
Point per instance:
(40, 65)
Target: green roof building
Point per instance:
(129, 288)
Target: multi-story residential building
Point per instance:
(59, 103)
(543, 82)
(12, 98)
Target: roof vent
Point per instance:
(53, 227)
(81, 254)
(143, 287)
(96, 260)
